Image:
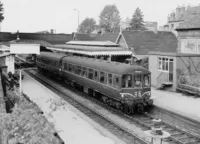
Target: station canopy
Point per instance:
(91, 48)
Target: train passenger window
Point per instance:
(90, 74)
(110, 79)
(65, 66)
(70, 68)
(76, 69)
(116, 81)
(102, 77)
(84, 72)
(96, 75)
(126, 81)
(79, 70)
(146, 81)
(137, 80)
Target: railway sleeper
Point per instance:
(189, 140)
(181, 136)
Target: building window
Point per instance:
(163, 63)
(172, 26)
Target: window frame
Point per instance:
(163, 63)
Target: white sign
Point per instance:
(190, 46)
(24, 48)
(4, 48)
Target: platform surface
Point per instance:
(188, 106)
(72, 126)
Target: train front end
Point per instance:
(136, 91)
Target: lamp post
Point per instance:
(78, 18)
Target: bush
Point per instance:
(25, 125)
(193, 80)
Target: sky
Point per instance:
(60, 15)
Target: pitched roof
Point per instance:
(50, 38)
(145, 41)
(93, 43)
(191, 22)
(96, 37)
(41, 42)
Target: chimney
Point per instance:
(102, 31)
(52, 31)
(178, 12)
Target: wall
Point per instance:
(189, 41)
(122, 42)
(190, 45)
(9, 62)
(157, 76)
(153, 69)
(173, 25)
(188, 70)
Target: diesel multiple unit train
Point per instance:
(123, 86)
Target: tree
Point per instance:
(87, 25)
(1, 12)
(110, 18)
(137, 22)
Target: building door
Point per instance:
(171, 64)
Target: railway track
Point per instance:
(177, 119)
(178, 136)
(115, 128)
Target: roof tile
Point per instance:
(145, 41)
(191, 22)
(97, 37)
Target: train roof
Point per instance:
(108, 66)
(53, 56)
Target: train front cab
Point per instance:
(136, 89)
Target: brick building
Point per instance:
(189, 35)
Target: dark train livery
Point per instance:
(126, 87)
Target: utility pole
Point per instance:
(20, 77)
(78, 19)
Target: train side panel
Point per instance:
(97, 86)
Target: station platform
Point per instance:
(188, 106)
(72, 126)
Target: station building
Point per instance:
(7, 60)
(174, 70)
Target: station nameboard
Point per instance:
(24, 48)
